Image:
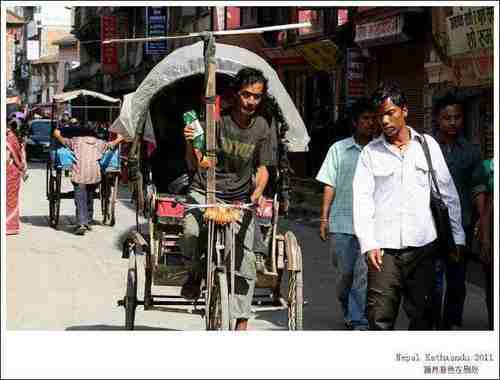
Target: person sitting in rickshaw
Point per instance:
(64, 121)
(244, 148)
(86, 171)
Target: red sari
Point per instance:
(15, 168)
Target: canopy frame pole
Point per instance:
(210, 91)
(215, 33)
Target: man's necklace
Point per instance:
(403, 146)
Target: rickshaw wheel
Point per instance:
(295, 282)
(104, 193)
(219, 304)
(131, 293)
(54, 199)
(48, 176)
(148, 281)
(112, 200)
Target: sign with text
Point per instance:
(382, 32)
(470, 29)
(33, 50)
(355, 75)
(157, 19)
(322, 55)
(355, 64)
(109, 52)
(473, 69)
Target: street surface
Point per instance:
(59, 281)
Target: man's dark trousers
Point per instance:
(84, 201)
(409, 273)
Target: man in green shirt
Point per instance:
(464, 162)
(244, 149)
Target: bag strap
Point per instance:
(425, 148)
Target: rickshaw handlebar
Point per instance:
(241, 206)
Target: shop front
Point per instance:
(468, 71)
(393, 42)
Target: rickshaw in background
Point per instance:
(87, 107)
(154, 113)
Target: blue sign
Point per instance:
(157, 18)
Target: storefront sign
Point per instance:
(474, 69)
(470, 29)
(355, 64)
(382, 32)
(322, 55)
(33, 47)
(355, 75)
(157, 19)
(109, 52)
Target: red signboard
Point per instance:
(232, 17)
(109, 53)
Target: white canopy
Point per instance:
(123, 123)
(67, 96)
(188, 61)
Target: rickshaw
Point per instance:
(153, 113)
(87, 106)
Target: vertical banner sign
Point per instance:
(109, 53)
(157, 19)
(355, 75)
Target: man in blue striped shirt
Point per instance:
(336, 224)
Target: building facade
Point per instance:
(14, 42)
(68, 57)
(461, 60)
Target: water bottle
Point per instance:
(191, 119)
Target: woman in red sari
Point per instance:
(16, 166)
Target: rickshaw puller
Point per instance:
(86, 172)
(244, 147)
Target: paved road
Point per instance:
(59, 281)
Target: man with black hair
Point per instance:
(392, 215)
(464, 162)
(336, 173)
(244, 149)
(86, 171)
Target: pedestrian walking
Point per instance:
(484, 233)
(392, 215)
(466, 168)
(86, 172)
(337, 173)
(15, 168)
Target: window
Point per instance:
(315, 17)
(67, 68)
(248, 16)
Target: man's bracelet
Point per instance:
(323, 219)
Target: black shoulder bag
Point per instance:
(439, 209)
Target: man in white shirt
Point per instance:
(392, 216)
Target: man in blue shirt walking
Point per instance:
(336, 173)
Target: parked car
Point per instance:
(38, 139)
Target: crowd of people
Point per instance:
(375, 212)
(377, 217)
(87, 141)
